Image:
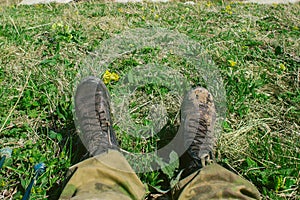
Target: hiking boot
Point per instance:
(198, 117)
(92, 110)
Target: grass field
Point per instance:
(256, 48)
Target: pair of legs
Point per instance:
(107, 175)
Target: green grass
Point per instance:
(39, 60)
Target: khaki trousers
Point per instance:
(109, 176)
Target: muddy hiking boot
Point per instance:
(198, 117)
(92, 110)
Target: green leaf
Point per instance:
(250, 162)
(169, 168)
(59, 137)
(52, 134)
(130, 77)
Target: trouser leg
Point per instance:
(216, 182)
(107, 176)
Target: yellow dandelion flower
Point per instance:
(228, 10)
(120, 10)
(108, 76)
(2, 183)
(53, 27)
(209, 4)
(32, 160)
(59, 24)
(232, 63)
(56, 26)
(282, 67)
